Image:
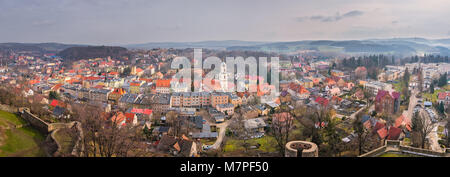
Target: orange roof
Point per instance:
(56, 87)
(403, 121)
(71, 81)
(130, 117)
(118, 117)
(119, 91)
(163, 83)
(113, 73)
(138, 70)
(145, 79)
(177, 147)
(135, 84)
(32, 82)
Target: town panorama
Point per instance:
(78, 80)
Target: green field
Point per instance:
(18, 142)
(395, 155)
(268, 144)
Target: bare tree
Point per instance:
(422, 127)
(282, 124)
(361, 133)
(175, 122)
(104, 137)
(238, 129)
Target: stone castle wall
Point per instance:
(51, 130)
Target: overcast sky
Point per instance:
(113, 22)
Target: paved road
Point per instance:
(353, 116)
(223, 127)
(412, 103)
(434, 138)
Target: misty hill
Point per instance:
(75, 53)
(202, 44)
(36, 47)
(395, 46)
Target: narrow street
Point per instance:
(222, 129)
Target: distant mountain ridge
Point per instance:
(202, 44)
(395, 46)
(50, 47)
(392, 46)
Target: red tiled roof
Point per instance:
(54, 103)
(148, 111)
(135, 84)
(32, 82)
(137, 111)
(138, 70)
(322, 101)
(382, 132)
(378, 126)
(118, 117)
(394, 133)
(403, 121)
(130, 117)
(443, 95)
(119, 91)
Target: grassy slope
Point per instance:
(18, 142)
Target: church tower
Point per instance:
(223, 77)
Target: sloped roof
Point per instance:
(382, 132)
(394, 133)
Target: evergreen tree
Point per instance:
(432, 88)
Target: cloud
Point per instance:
(333, 18)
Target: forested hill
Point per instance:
(76, 53)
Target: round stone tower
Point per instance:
(307, 149)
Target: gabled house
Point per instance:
(177, 146)
(386, 102)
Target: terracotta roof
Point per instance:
(54, 103)
(322, 101)
(118, 117)
(394, 133)
(443, 95)
(378, 126)
(382, 132)
(403, 121)
(130, 117)
(163, 83)
(177, 146)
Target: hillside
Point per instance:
(203, 44)
(395, 46)
(75, 53)
(36, 47)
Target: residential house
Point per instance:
(386, 102)
(227, 108)
(163, 86)
(255, 126)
